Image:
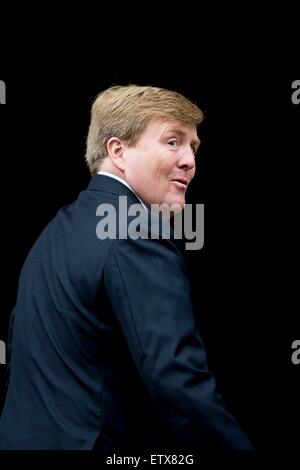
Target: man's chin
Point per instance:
(177, 204)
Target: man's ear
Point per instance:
(115, 148)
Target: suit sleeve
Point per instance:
(149, 291)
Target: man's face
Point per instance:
(162, 163)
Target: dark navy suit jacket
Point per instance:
(105, 352)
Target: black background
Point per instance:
(245, 279)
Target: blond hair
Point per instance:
(124, 112)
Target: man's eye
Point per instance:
(173, 142)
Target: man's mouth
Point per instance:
(180, 182)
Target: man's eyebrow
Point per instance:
(179, 131)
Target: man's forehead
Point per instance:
(169, 125)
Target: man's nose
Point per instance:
(187, 160)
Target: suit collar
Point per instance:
(110, 185)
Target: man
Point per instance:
(105, 352)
